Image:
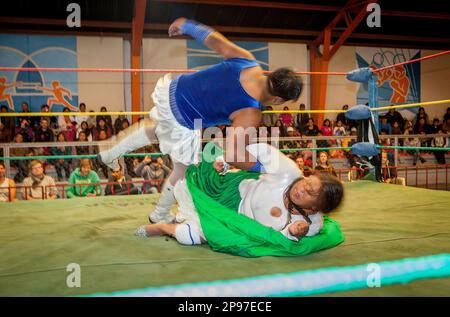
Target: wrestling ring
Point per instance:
(398, 232)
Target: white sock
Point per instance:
(128, 144)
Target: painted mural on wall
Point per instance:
(56, 89)
(199, 56)
(398, 85)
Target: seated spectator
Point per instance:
(321, 143)
(287, 118)
(390, 173)
(99, 165)
(311, 129)
(21, 165)
(283, 130)
(414, 142)
(38, 185)
(5, 135)
(25, 130)
(44, 134)
(84, 127)
(81, 118)
(86, 180)
(25, 109)
(65, 122)
(52, 120)
(384, 125)
(326, 128)
(118, 123)
(306, 170)
(269, 119)
(91, 121)
(435, 127)
(422, 114)
(396, 129)
(122, 184)
(439, 141)
(8, 122)
(341, 116)
(392, 116)
(101, 126)
(302, 119)
(290, 144)
(447, 115)
(125, 124)
(106, 118)
(7, 186)
(152, 168)
(324, 165)
(62, 163)
(339, 130)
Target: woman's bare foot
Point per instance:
(156, 229)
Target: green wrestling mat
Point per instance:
(40, 239)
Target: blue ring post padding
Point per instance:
(359, 112)
(364, 149)
(373, 99)
(360, 75)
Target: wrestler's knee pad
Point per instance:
(188, 234)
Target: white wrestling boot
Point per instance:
(132, 142)
(162, 213)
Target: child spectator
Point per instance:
(326, 128)
(38, 185)
(287, 118)
(86, 181)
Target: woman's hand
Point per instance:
(218, 166)
(299, 229)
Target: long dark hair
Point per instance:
(330, 196)
(292, 207)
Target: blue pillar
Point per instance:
(373, 99)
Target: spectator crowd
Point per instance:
(87, 128)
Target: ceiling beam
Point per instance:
(224, 29)
(258, 4)
(308, 7)
(138, 26)
(60, 22)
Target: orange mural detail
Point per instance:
(4, 96)
(58, 95)
(398, 81)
